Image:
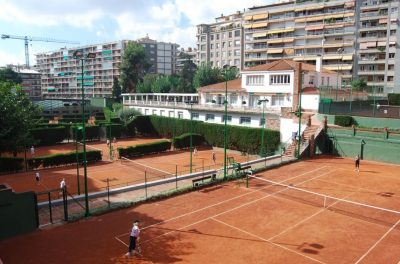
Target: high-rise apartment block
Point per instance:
(221, 43)
(61, 72)
(358, 39)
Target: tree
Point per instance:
(206, 75)
(146, 85)
(116, 90)
(230, 73)
(127, 115)
(134, 66)
(17, 117)
(165, 84)
(8, 75)
(359, 85)
(186, 75)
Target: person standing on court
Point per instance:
(32, 151)
(37, 177)
(62, 184)
(214, 157)
(133, 239)
(195, 151)
(357, 163)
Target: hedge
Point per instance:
(344, 121)
(63, 159)
(239, 138)
(11, 164)
(183, 141)
(46, 136)
(394, 99)
(142, 149)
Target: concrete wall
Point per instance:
(287, 127)
(368, 121)
(310, 101)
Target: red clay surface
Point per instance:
(230, 223)
(119, 174)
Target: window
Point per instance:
(262, 121)
(327, 80)
(230, 34)
(203, 38)
(237, 43)
(217, 45)
(154, 112)
(210, 117)
(229, 53)
(229, 44)
(217, 54)
(245, 120)
(217, 36)
(171, 114)
(146, 111)
(277, 100)
(223, 35)
(391, 55)
(195, 116)
(223, 44)
(211, 54)
(212, 37)
(162, 112)
(203, 47)
(237, 62)
(228, 119)
(311, 80)
(279, 79)
(212, 46)
(237, 33)
(224, 54)
(180, 115)
(322, 80)
(237, 52)
(255, 80)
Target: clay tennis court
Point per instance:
(118, 173)
(230, 223)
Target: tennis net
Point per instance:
(150, 172)
(362, 211)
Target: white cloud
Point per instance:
(8, 58)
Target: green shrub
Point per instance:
(46, 136)
(63, 159)
(140, 125)
(11, 164)
(142, 149)
(394, 99)
(344, 121)
(116, 130)
(183, 141)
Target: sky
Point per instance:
(97, 21)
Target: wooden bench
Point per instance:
(200, 181)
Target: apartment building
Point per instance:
(61, 73)
(162, 55)
(357, 39)
(221, 43)
(377, 50)
(184, 56)
(31, 80)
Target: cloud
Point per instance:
(8, 58)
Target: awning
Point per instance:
(260, 16)
(259, 35)
(381, 44)
(281, 30)
(333, 45)
(339, 67)
(305, 58)
(315, 7)
(318, 27)
(275, 41)
(288, 40)
(393, 20)
(333, 26)
(392, 43)
(332, 57)
(347, 57)
(349, 4)
(371, 44)
(348, 15)
(383, 21)
(260, 25)
(248, 25)
(299, 9)
(300, 20)
(317, 18)
(364, 45)
(248, 18)
(289, 51)
(274, 51)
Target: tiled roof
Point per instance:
(285, 65)
(234, 85)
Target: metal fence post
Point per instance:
(145, 182)
(65, 202)
(50, 212)
(176, 176)
(108, 192)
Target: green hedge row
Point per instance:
(344, 121)
(394, 99)
(45, 136)
(238, 138)
(63, 159)
(142, 149)
(183, 141)
(11, 164)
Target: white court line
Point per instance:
(121, 241)
(263, 239)
(146, 166)
(377, 242)
(229, 210)
(307, 218)
(209, 206)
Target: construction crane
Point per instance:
(28, 38)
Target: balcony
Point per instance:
(372, 28)
(372, 72)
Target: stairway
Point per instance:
(308, 132)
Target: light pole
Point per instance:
(299, 113)
(77, 159)
(78, 54)
(339, 51)
(191, 103)
(262, 149)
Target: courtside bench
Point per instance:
(205, 179)
(243, 171)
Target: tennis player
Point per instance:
(357, 163)
(133, 239)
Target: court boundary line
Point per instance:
(210, 206)
(308, 217)
(377, 242)
(266, 240)
(165, 172)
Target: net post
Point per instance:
(64, 193)
(324, 201)
(176, 176)
(50, 212)
(108, 192)
(145, 182)
(247, 179)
